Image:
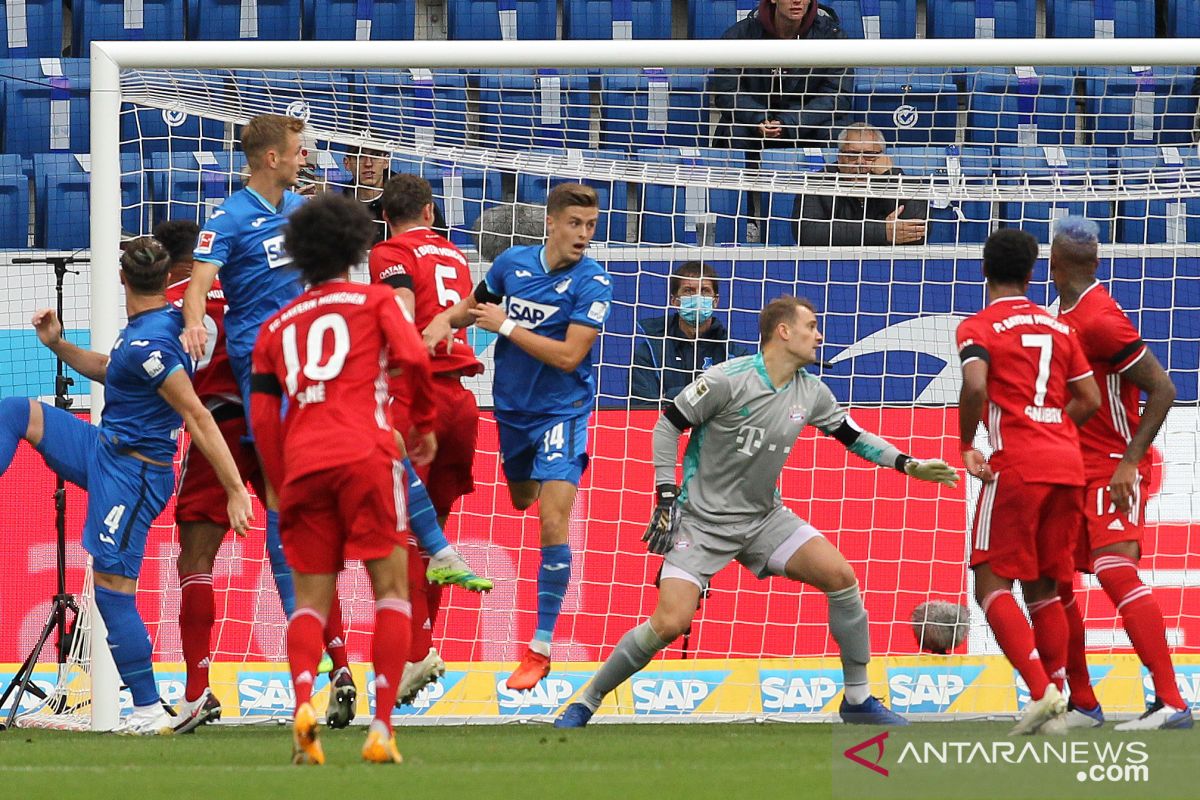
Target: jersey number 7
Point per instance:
(1044, 342)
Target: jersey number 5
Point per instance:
(316, 366)
(1044, 343)
(447, 296)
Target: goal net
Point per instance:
(873, 201)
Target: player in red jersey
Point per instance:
(333, 356)
(429, 275)
(1116, 465)
(199, 504)
(1028, 371)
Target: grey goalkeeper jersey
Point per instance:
(744, 431)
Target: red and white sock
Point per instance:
(1016, 639)
(335, 636)
(197, 613)
(1118, 575)
(1050, 635)
(389, 647)
(1078, 678)
(304, 645)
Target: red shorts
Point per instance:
(1104, 525)
(350, 511)
(1025, 531)
(200, 496)
(450, 476)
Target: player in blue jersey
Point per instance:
(125, 464)
(556, 300)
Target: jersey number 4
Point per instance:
(316, 367)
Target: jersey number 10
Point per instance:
(315, 366)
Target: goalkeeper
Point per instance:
(746, 415)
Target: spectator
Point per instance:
(675, 348)
(824, 220)
(369, 170)
(785, 106)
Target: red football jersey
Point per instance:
(437, 273)
(332, 350)
(1112, 345)
(213, 378)
(1031, 358)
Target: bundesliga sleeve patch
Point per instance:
(598, 312)
(204, 245)
(696, 391)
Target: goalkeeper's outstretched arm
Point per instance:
(878, 450)
(664, 520)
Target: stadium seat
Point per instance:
(1183, 18)
(779, 207)
(148, 130)
(14, 202)
(616, 19)
(981, 19)
(708, 19)
(613, 195)
(502, 19)
(1156, 105)
(223, 19)
(418, 106)
(356, 20)
(520, 109)
(32, 29)
(461, 192)
(1057, 166)
(1099, 19)
(1157, 221)
(685, 214)
(877, 19)
(325, 100)
(47, 105)
(910, 106)
(1025, 106)
(99, 20)
(191, 185)
(652, 108)
(63, 191)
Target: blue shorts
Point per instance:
(125, 495)
(540, 448)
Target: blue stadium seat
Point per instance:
(14, 202)
(616, 19)
(877, 19)
(360, 20)
(911, 106)
(1157, 221)
(323, 99)
(1154, 106)
(1058, 166)
(981, 19)
(1183, 18)
(1027, 106)
(100, 20)
(708, 19)
(951, 221)
(502, 19)
(63, 191)
(522, 109)
(191, 185)
(779, 207)
(223, 20)
(678, 214)
(47, 105)
(34, 31)
(1099, 19)
(613, 195)
(418, 106)
(147, 131)
(652, 108)
(461, 192)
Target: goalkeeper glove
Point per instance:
(664, 521)
(933, 470)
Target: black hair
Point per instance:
(327, 235)
(1009, 256)
(178, 236)
(145, 264)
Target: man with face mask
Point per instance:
(673, 349)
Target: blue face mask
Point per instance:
(695, 309)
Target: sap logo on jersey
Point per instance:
(430, 695)
(929, 688)
(265, 694)
(674, 692)
(1187, 678)
(545, 698)
(798, 690)
(1098, 672)
(529, 314)
(277, 256)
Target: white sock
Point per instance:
(445, 552)
(540, 647)
(857, 693)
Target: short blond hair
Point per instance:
(268, 131)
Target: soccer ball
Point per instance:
(940, 626)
